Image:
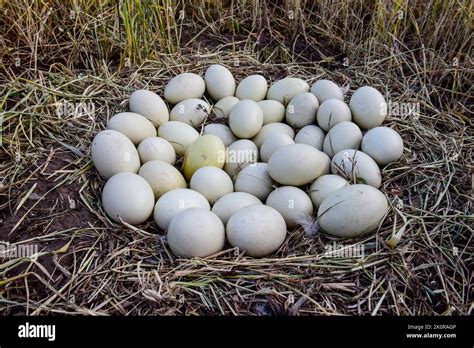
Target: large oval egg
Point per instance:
(112, 153)
(129, 197)
(134, 126)
(221, 131)
(223, 106)
(368, 107)
(190, 111)
(179, 134)
(352, 211)
(272, 110)
(344, 135)
(257, 229)
(184, 86)
(292, 203)
(252, 87)
(254, 179)
(150, 105)
(173, 202)
(285, 89)
(332, 112)
(162, 177)
(324, 186)
(220, 82)
(356, 166)
(211, 182)
(272, 143)
(311, 135)
(325, 90)
(156, 148)
(301, 110)
(296, 164)
(271, 128)
(207, 150)
(246, 119)
(383, 144)
(230, 203)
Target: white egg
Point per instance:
(223, 106)
(284, 90)
(211, 182)
(272, 143)
(332, 112)
(221, 131)
(301, 110)
(252, 87)
(220, 82)
(383, 144)
(230, 203)
(311, 135)
(184, 86)
(271, 128)
(246, 119)
(173, 202)
(128, 196)
(190, 111)
(273, 111)
(238, 155)
(344, 135)
(257, 229)
(357, 167)
(134, 126)
(150, 105)
(156, 148)
(254, 179)
(162, 177)
(179, 134)
(352, 211)
(112, 153)
(196, 232)
(325, 89)
(324, 186)
(292, 203)
(368, 107)
(296, 164)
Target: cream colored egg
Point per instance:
(223, 106)
(301, 110)
(352, 211)
(325, 90)
(129, 197)
(273, 111)
(270, 128)
(156, 148)
(311, 135)
(332, 112)
(254, 179)
(190, 111)
(284, 90)
(207, 150)
(150, 105)
(324, 186)
(162, 177)
(211, 182)
(296, 164)
(112, 153)
(292, 203)
(252, 87)
(383, 144)
(173, 202)
(180, 135)
(258, 230)
(184, 86)
(238, 155)
(357, 167)
(230, 203)
(221, 131)
(196, 232)
(272, 143)
(220, 82)
(368, 107)
(344, 135)
(134, 126)
(246, 119)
